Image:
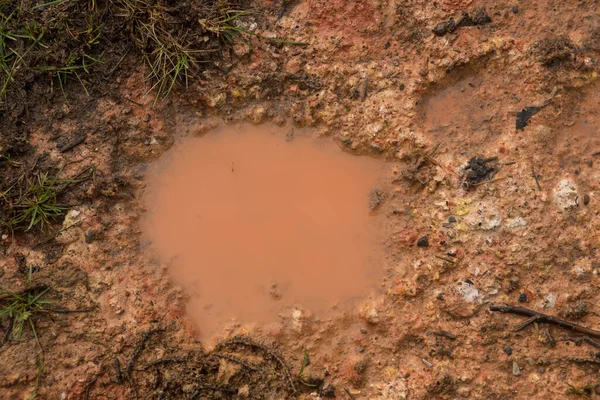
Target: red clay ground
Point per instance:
(458, 94)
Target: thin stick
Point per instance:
(134, 356)
(76, 142)
(490, 181)
(236, 360)
(445, 259)
(363, 89)
(589, 340)
(133, 101)
(163, 361)
(240, 340)
(539, 317)
(117, 365)
(349, 394)
(56, 234)
(536, 178)
(67, 311)
(445, 334)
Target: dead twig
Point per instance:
(592, 342)
(363, 89)
(445, 259)
(163, 361)
(490, 181)
(429, 157)
(74, 143)
(249, 342)
(445, 334)
(585, 360)
(67, 311)
(537, 182)
(54, 235)
(9, 328)
(134, 356)
(541, 318)
(133, 101)
(236, 360)
(349, 394)
(117, 365)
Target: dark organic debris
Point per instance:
(237, 360)
(423, 242)
(523, 298)
(363, 89)
(244, 341)
(328, 390)
(544, 318)
(117, 365)
(480, 170)
(134, 356)
(349, 394)
(445, 334)
(480, 17)
(524, 115)
(535, 176)
(74, 143)
(553, 51)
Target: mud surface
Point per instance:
(372, 77)
(254, 222)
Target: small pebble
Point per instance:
(361, 349)
(147, 118)
(452, 218)
(515, 9)
(541, 370)
(516, 369)
(423, 242)
(90, 236)
(363, 331)
(523, 298)
(508, 350)
(586, 199)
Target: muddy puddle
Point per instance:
(580, 131)
(254, 223)
(465, 113)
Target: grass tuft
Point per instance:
(21, 310)
(170, 61)
(37, 203)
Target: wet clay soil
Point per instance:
(252, 223)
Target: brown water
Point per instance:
(253, 224)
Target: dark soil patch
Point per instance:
(554, 51)
(60, 52)
(479, 170)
